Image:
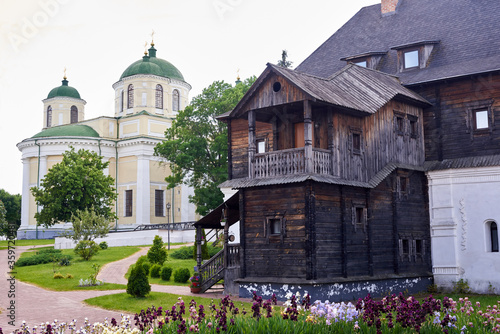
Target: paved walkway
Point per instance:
(36, 305)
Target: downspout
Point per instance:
(37, 185)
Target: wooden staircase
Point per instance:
(212, 271)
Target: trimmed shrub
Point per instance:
(46, 256)
(182, 275)
(69, 276)
(65, 260)
(138, 284)
(186, 252)
(146, 266)
(165, 274)
(103, 245)
(155, 271)
(157, 253)
(86, 249)
(58, 276)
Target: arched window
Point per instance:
(130, 100)
(159, 97)
(121, 101)
(494, 236)
(74, 114)
(175, 100)
(49, 116)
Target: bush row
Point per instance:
(186, 252)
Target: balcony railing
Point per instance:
(290, 162)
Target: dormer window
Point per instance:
(411, 59)
(414, 55)
(369, 60)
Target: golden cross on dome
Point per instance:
(238, 72)
(152, 37)
(65, 73)
(146, 48)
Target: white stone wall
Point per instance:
(463, 202)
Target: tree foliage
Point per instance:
(4, 225)
(157, 253)
(283, 62)
(76, 183)
(87, 225)
(196, 144)
(12, 204)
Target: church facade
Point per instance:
(148, 96)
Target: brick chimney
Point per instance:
(389, 6)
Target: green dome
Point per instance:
(64, 90)
(70, 130)
(152, 65)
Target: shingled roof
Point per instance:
(353, 87)
(467, 30)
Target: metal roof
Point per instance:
(469, 162)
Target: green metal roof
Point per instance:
(152, 65)
(64, 90)
(70, 130)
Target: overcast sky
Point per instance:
(206, 40)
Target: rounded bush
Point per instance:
(155, 271)
(103, 245)
(182, 275)
(142, 259)
(58, 276)
(65, 261)
(86, 249)
(165, 274)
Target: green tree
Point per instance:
(4, 224)
(76, 183)
(283, 62)
(196, 144)
(87, 225)
(157, 253)
(12, 205)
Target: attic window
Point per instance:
(480, 119)
(361, 63)
(276, 87)
(411, 59)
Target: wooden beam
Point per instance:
(252, 144)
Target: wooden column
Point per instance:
(199, 235)
(308, 152)
(252, 145)
(331, 140)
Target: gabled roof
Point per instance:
(467, 30)
(353, 87)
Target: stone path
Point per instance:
(36, 305)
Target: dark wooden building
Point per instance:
(375, 164)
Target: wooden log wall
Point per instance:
(447, 123)
(275, 256)
(238, 146)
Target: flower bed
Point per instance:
(392, 314)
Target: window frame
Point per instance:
(159, 97)
(159, 203)
(73, 115)
(403, 56)
(359, 217)
(268, 232)
(130, 96)
(128, 203)
(413, 126)
(478, 106)
(355, 141)
(399, 123)
(176, 100)
(474, 120)
(49, 117)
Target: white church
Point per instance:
(148, 96)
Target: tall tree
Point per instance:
(196, 144)
(76, 183)
(283, 62)
(12, 205)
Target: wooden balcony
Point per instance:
(291, 162)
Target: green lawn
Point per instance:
(42, 274)
(24, 242)
(127, 303)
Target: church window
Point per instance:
(49, 116)
(130, 96)
(159, 203)
(121, 101)
(159, 97)
(74, 114)
(128, 203)
(494, 236)
(175, 100)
